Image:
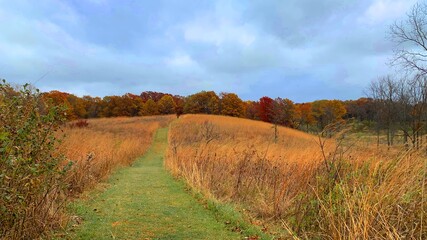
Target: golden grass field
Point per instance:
(364, 192)
(104, 145)
(237, 158)
(301, 186)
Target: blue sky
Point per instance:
(298, 49)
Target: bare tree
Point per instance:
(400, 105)
(411, 38)
(417, 95)
(411, 54)
(385, 92)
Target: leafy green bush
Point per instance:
(31, 196)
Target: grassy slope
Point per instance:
(144, 201)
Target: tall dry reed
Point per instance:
(313, 187)
(237, 160)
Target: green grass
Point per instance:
(145, 202)
(236, 219)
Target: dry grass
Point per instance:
(105, 144)
(237, 159)
(349, 190)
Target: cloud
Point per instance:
(300, 49)
(214, 31)
(383, 10)
(297, 21)
(180, 60)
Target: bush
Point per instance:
(31, 196)
(82, 123)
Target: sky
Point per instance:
(303, 50)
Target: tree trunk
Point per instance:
(405, 139)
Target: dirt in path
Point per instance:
(145, 202)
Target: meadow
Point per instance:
(301, 185)
(338, 184)
(95, 150)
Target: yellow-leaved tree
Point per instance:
(232, 105)
(166, 105)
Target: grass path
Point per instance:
(145, 202)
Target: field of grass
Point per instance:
(145, 202)
(238, 159)
(303, 185)
(105, 144)
(289, 184)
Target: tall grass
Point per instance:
(237, 160)
(310, 186)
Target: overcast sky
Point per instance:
(298, 49)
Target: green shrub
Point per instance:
(31, 196)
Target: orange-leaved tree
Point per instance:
(305, 115)
(328, 111)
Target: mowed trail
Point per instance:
(145, 202)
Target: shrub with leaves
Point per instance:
(31, 198)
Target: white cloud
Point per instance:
(180, 60)
(383, 10)
(217, 31)
(221, 25)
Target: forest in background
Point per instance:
(392, 107)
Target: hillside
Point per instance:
(301, 184)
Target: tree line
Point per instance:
(281, 111)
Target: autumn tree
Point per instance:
(179, 105)
(252, 110)
(150, 108)
(131, 104)
(232, 105)
(305, 115)
(166, 105)
(361, 109)
(128, 105)
(77, 106)
(57, 98)
(327, 112)
(92, 105)
(202, 102)
(155, 96)
(284, 112)
(266, 109)
(106, 106)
